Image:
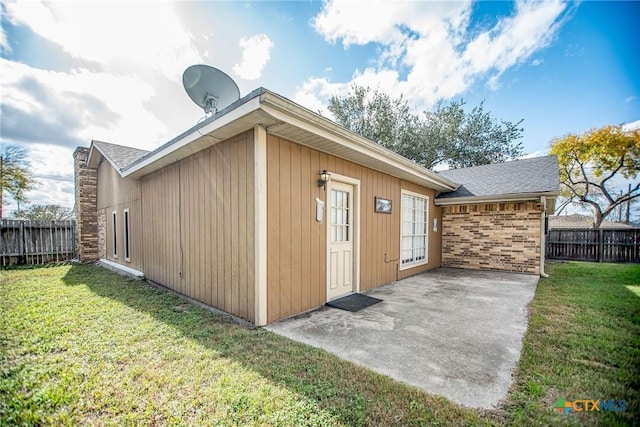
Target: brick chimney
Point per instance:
(85, 206)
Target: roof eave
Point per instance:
(282, 109)
(495, 198)
(172, 151)
(276, 105)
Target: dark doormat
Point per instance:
(353, 302)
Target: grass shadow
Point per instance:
(355, 395)
(35, 266)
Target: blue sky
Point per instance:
(76, 71)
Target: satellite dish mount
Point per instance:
(210, 104)
(210, 88)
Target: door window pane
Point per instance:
(340, 216)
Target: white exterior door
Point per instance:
(340, 236)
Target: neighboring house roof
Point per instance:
(513, 180)
(286, 119)
(581, 221)
(118, 155)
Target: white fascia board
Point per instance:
(492, 199)
(244, 109)
(292, 113)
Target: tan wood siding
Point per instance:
(296, 274)
(113, 189)
(117, 194)
(199, 219)
(162, 211)
(381, 238)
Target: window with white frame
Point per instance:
(413, 243)
(127, 242)
(114, 233)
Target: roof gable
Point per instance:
(118, 155)
(286, 119)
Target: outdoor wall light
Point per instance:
(435, 224)
(325, 177)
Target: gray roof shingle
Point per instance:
(533, 175)
(119, 155)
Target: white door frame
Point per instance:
(356, 229)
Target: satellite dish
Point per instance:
(210, 88)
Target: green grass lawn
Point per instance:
(583, 342)
(82, 345)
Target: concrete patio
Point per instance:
(455, 333)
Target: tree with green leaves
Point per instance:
(16, 177)
(447, 134)
(44, 213)
(375, 115)
(589, 163)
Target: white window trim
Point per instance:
(114, 231)
(126, 234)
(426, 256)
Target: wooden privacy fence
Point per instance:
(36, 242)
(621, 245)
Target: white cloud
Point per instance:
(361, 23)
(255, 55)
(120, 35)
(55, 177)
(315, 93)
(5, 48)
(631, 126)
(51, 113)
(126, 91)
(434, 41)
(515, 38)
(85, 105)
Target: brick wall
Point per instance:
(85, 206)
(492, 236)
(102, 234)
